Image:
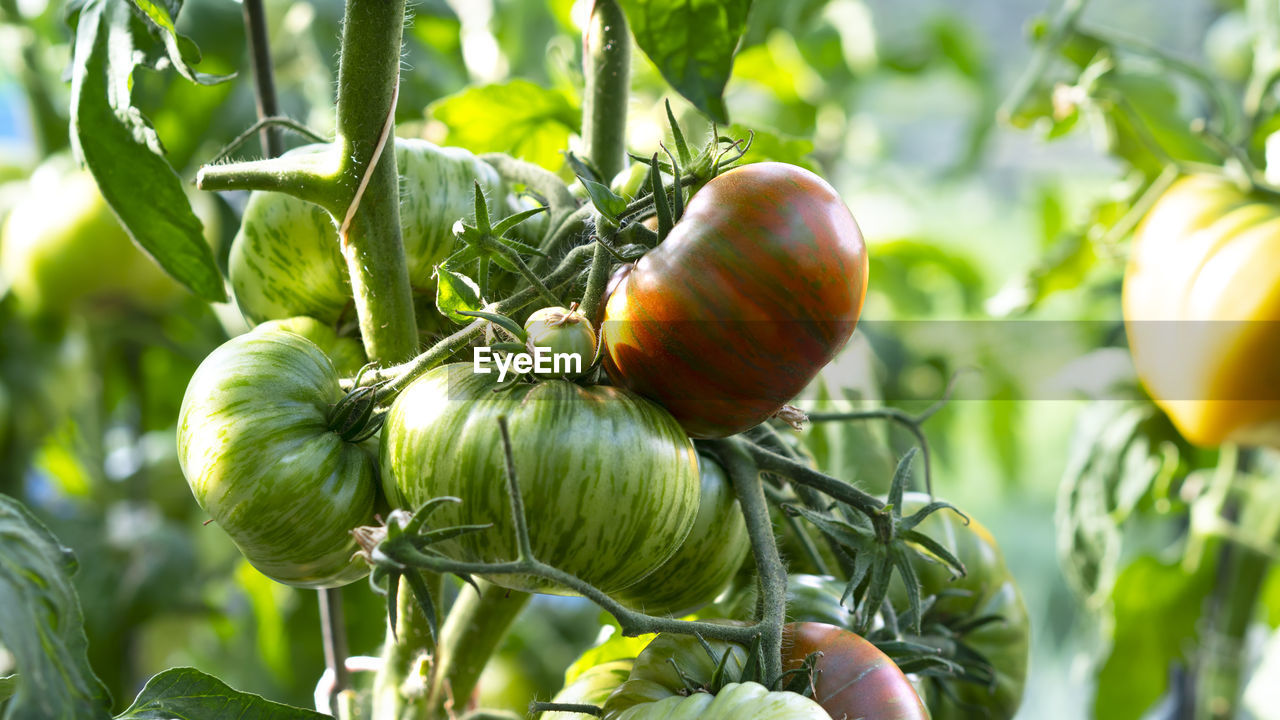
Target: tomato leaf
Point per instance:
(41, 623)
(1157, 617)
(182, 51)
(692, 42)
(456, 292)
(519, 118)
(188, 694)
(609, 205)
(8, 686)
(124, 153)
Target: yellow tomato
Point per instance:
(1202, 310)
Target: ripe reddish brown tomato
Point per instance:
(756, 288)
(853, 679)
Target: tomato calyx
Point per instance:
(355, 417)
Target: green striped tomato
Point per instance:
(735, 701)
(255, 447)
(986, 590)
(706, 561)
(757, 287)
(285, 261)
(346, 353)
(592, 687)
(609, 480)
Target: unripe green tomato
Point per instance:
(286, 261)
(630, 180)
(609, 480)
(706, 561)
(562, 332)
(1228, 46)
(62, 248)
(346, 354)
(255, 446)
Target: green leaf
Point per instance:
(123, 151)
(1157, 617)
(41, 624)
(8, 686)
(456, 292)
(692, 42)
(188, 694)
(767, 145)
(609, 205)
(182, 51)
(518, 118)
(1118, 454)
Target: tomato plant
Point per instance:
(345, 353)
(1200, 306)
(610, 519)
(255, 445)
(735, 700)
(758, 286)
(706, 560)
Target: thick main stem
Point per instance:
(476, 624)
(607, 67)
(368, 77)
(771, 573)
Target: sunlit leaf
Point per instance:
(692, 42)
(455, 292)
(518, 118)
(124, 154)
(188, 694)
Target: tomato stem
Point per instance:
(607, 69)
(476, 624)
(771, 574)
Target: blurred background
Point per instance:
(981, 213)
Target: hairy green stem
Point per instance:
(771, 574)
(800, 474)
(476, 624)
(404, 677)
(1229, 612)
(607, 67)
(535, 178)
(368, 77)
(597, 280)
(308, 177)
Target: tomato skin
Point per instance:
(988, 589)
(810, 598)
(1201, 299)
(62, 249)
(285, 260)
(346, 354)
(562, 331)
(853, 678)
(255, 447)
(609, 517)
(757, 287)
(707, 559)
(734, 702)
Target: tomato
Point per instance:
(255, 447)
(810, 598)
(1228, 46)
(987, 589)
(756, 288)
(708, 558)
(591, 687)
(561, 331)
(853, 678)
(285, 261)
(734, 702)
(61, 248)
(609, 480)
(346, 354)
(1201, 301)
